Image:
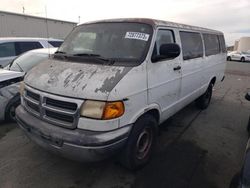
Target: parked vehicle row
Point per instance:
(238, 56)
(112, 82)
(12, 75)
(12, 47)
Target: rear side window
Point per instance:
(26, 46)
(192, 46)
(222, 44)
(212, 45)
(7, 49)
(55, 43)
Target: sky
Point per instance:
(229, 16)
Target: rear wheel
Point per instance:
(229, 58)
(242, 59)
(203, 101)
(11, 108)
(140, 144)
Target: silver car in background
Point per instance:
(12, 47)
(238, 56)
(12, 75)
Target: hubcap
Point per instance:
(144, 143)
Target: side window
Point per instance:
(163, 37)
(222, 44)
(192, 46)
(26, 46)
(212, 45)
(7, 49)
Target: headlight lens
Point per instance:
(21, 88)
(102, 110)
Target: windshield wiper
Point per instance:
(97, 56)
(60, 52)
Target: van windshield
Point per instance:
(119, 42)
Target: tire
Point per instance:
(203, 101)
(140, 144)
(242, 59)
(229, 58)
(11, 107)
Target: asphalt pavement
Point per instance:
(195, 149)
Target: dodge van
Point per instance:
(112, 82)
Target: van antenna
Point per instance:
(47, 29)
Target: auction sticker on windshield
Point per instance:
(137, 35)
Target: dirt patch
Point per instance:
(175, 167)
(5, 128)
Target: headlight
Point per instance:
(21, 88)
(102, 110)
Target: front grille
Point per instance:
(33, 96)
(61, 104)
(33, 106)
(54, 109)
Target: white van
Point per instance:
(112, 82)
(10, 48)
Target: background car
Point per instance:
(12, 47)
(12, 75)
(238, 56)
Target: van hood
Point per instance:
(78, 80)
(7, 75)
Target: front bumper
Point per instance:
(77, 144)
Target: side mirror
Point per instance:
(167, 51)
(248, 96)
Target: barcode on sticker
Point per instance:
(137, 35)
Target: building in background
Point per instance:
(242, 45)
(22, 25)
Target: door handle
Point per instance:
(177, 68)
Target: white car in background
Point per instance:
(238, 56)
(12, 47)
(12, 75)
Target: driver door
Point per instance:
(164, 76)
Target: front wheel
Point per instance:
(242, 59)
(140, 144)
(229, 58)
(11, 108)
(203, 101)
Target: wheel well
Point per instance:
(155, 113)
(213, 80)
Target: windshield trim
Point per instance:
(118, 61)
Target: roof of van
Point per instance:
(157, 23)
(16, 39)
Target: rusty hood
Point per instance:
(78, 80)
